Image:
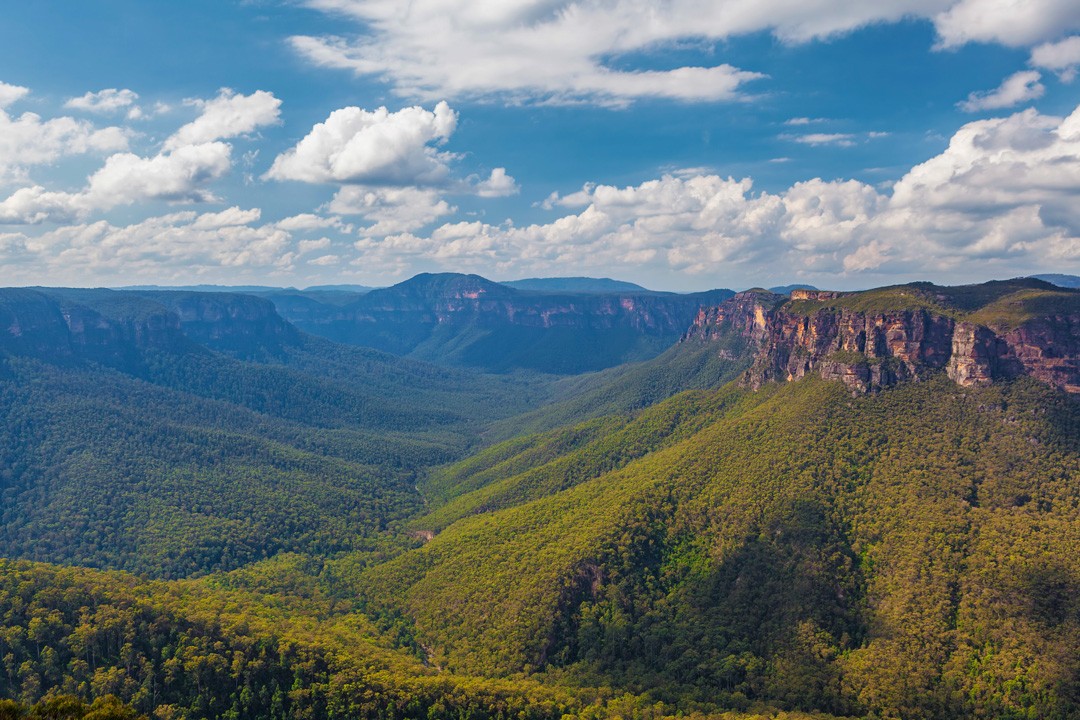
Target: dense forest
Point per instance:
(209, 513)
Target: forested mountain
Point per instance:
(137, 431)
(468, 321)
(812, 504)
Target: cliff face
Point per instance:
(56, 324)
(118, 328)
(238, 324)
(871, 349)
(458, 300)
(467, 320)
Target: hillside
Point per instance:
(813, 505)
(468, 321)
(180, 433)
(910, 552)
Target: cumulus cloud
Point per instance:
(1016, 24)
(391, 210)
(227, 218)
(1017, 88)
(311, 221)
(177, 246)
(373, 147)
(10, 94)
(125, 179)
(1061, 57)
(1005, 192)
(498, 184)
(189, 161)
(556, 50)
(176, 176)
(229, 115)
(107, 101)
(28, 140)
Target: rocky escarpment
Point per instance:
(874, 341)
(96, 325)
(241, 325)
(120, 328)
(467, 320)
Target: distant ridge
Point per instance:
(575, 285)
(1065, 281)
(470, 321)
(339, 288)
(786, 289)
(205, 288)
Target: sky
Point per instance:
(680, 144)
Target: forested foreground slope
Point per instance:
(912, 553)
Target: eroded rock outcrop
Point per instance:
(872, 349)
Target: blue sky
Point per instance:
(680, 144)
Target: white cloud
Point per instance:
(176, 176)
(1017, 88)
(815, 139)
(833, 139)
(28, 140)
(1061, 57)
(498, 184)
(10, 94)
(227, 116)
(1006, 192)
(556, 50)
(391, 210)
(306, 246)
(178, 247)
(311, 221)
(191, 159)
(227, 218)
(125, 179)
(107, 101)
(1008, 22)
(378, 147)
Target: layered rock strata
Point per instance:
(870, 350)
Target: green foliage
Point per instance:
(629, 388)
(1003, 304)
(908, 554)
(1022, 307)
(651, 544)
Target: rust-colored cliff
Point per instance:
(874, 339)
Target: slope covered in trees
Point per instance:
(911, 553)
(317, 530)
(127, 441)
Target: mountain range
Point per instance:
(454, 498)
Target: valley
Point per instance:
(455, 498)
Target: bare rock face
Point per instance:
(871, 350)
(976, 355)
(1047, 348)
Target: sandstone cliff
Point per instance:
(871, 340)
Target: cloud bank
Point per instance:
(563, 50)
